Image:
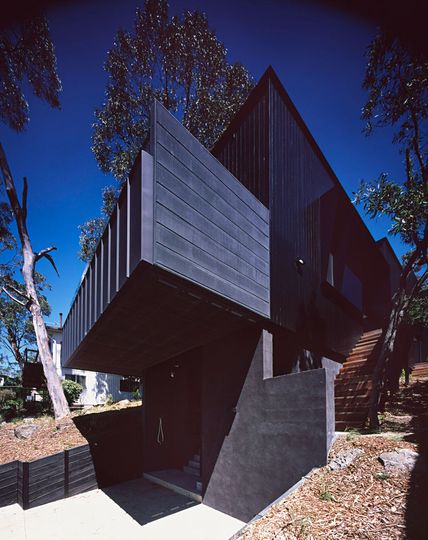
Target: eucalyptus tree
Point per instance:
(177, 60)
(16, 326)
(396, 80)
(27, 59)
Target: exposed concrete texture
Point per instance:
(277, 436)
(136, 509)
(332, 368)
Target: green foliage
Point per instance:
(27, 57)
(179, 61)
(327, 496)
(5, 395)
(396, 82)
(417, 314)
(72, 390)
(11, 406)
(136, 394)
(92, 230)
(382, 476)
(16, 325)
(109, 399)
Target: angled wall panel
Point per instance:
(208, 227)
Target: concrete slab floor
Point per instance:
(138, 508)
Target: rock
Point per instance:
(28, 420)
(399, 460)
(124, 402)
(26, 431)
(344, 459)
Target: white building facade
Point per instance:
(97, 386)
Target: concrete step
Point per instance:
(194, 464)
(177, 481)
(192, 470)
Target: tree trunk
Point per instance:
(56, 392)
(15, 350)
(400, 305)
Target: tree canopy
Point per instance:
(396, 81)
(27, 56)
(177, 60)
(397, 84)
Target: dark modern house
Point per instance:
(235, 283)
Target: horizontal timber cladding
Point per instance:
(9, 483)
(32, 483)
(79, 471)
(208, 227)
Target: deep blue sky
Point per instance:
(317, 53)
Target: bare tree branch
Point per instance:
(10, 295)
(50, 259)
(43, 252)
(19, 293)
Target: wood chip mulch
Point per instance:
(360, 501)
(46, 441)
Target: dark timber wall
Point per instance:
(47, 479)
(181, 212)
(311, 218)
(208, 227)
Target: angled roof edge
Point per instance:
(256, 92)
(384, 241)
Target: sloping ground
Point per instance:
(354, 383)
(362, 501)
(47, 439)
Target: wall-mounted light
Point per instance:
(300, 263)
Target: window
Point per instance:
(352, 288)
(80, 379)
(330, 270)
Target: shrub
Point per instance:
(72, 390)
(6, 395)
(11, 406)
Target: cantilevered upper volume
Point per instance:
(259, 229)
(184, 259)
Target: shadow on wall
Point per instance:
(417, 497)
(289, 355)
(116, 442)
(278, 435)
(101, 386)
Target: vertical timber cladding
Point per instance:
(298, 181)
(270, 150)
(208, 227)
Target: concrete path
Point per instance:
(135, 509)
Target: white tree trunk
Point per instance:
(56, 392)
